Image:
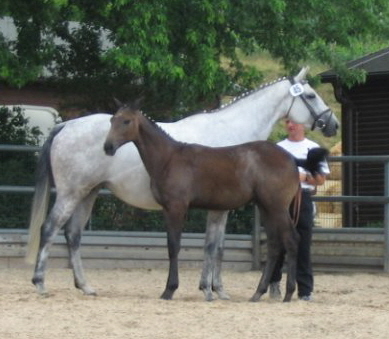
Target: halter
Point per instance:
(318, 121)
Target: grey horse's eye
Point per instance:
(311, 96)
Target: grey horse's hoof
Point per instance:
(222, 295)
(208, 295)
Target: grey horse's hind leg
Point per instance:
(213, 255)
(73, 230)
(58, 216)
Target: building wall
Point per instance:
(365, 131)
(31, 95)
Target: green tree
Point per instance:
(179, 54)
(16, 168)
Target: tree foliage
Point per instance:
(14, 128)
(178, 53)
(16, 168)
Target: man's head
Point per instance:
(296, 132)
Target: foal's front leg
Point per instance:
(174, 223)
(213, 255)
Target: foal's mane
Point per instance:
(135, 106)
(157, 127)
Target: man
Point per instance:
(298, 145)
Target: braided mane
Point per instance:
(154, 123)
(246, 94)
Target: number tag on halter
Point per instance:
(296, 90)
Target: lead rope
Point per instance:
(296, 207)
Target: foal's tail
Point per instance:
(296, 204)
(312, 164)
(40, 201)
(314, 158)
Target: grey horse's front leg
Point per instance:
(213, 255)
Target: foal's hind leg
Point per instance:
(280, 235)
(273, 253)
(58, 216)
(291, 241)
(213, 255)
(73, 230)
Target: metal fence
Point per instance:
(256, 236)
(384, 200)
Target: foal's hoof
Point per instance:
(166, 298)
(255, 297)
(167, 295)
(287, 299)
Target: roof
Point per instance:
(376, 63)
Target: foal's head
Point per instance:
(124, 128)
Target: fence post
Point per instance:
(256, 241)
(386, 218)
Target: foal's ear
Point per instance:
(137, 104)
(118, 103)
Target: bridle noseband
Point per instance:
(318, 119)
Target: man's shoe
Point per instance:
(306, 297)
(274, 291)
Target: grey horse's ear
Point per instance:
(302, 74)
(118, 103)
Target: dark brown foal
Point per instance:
(192, 176)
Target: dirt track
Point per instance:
(346, 306)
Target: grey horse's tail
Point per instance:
(40, 201)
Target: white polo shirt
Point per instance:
(299, 149)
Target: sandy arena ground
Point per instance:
(128, 306)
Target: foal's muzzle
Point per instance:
(109, 148)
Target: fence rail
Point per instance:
(333, 249)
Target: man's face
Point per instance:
(293, 128)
